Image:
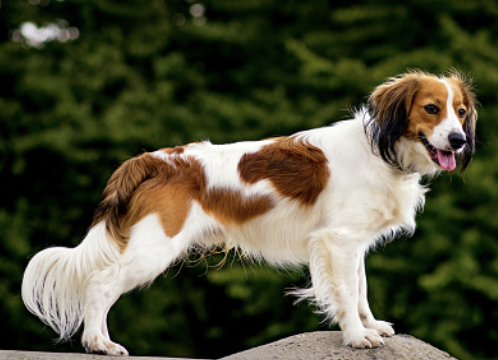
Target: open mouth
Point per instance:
(444, 159)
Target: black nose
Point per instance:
(457, 140)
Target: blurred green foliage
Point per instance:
(139, 75)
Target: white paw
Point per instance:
(96, 344)
(383, 327)
(363, 339)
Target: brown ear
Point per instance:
(389, 106)
(469, 125)
(469, 128)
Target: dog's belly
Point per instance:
(279, 236)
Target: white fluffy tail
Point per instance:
(55, 280)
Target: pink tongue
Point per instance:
(446, 160)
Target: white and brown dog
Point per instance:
(321, 197)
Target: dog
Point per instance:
(321, 198)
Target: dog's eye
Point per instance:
(462, 113)
(431, 109)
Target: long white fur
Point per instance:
(365, 201)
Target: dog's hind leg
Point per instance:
(149, 253)
(103, 289)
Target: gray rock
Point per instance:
(327, 345)
(320, 345)
(34, 355)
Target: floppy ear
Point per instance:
(469, 128)
(389, 106)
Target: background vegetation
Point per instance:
(85, 84)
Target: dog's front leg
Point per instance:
(383, 328)
(335, 257)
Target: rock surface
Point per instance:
(320, 345)
(327, 345)
(34, 355)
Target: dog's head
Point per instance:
(424, 123)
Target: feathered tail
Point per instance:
(54, 282)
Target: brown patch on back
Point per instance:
(231, 207)
(150, 185)
(297, 170)
(171, 193)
